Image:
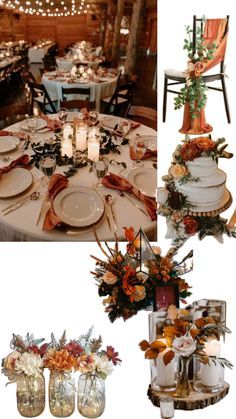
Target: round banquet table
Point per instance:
(98, 91)
(66, 63)
(20, 225)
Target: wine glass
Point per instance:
(48, 166)
(138, 148)
(124, 126)
(32, 125)
(100, 169)
(93, 117)
(62, 115)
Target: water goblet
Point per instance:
(62, 115)
(93, 117)
(124, 126)
(48, 167)
(100, 169)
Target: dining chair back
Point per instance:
(12, 114)
(40, 96)
(144, 115)
(173, 77)
(77, 104)
(81, 91)
(120, 101)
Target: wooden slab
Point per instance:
(194, 401)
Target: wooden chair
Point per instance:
(119, 103)
(144, 115)
(179, 77)
(75, 91)
(77, 104)
(12, 114)
(40, 96)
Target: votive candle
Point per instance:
(81, 137)
(67, 132)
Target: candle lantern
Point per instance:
(163, 377)
(67, 132)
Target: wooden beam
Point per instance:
(135, 26)
(116, 36)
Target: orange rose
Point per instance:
(189, 151)
(178, 171)
(199, 67)
(205, 143)
(190, 224)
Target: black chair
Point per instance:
(120, 101)
(39, 95)
(77, 104)
(12, 114)
(178, 77)
(75, 91)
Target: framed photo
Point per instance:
(165, 295)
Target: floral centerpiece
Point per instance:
(182, 218)
(187, 339)
(24, 366)
(129, 289)
(193, 94)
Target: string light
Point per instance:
(47, 7)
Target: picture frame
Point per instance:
(165, 295)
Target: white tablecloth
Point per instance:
(20, 225)
(97, 90)
(36, 55)
(66, 64)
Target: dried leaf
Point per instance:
(144, 345)
(168, 356)
(151, 353)
(170, 331)
(157, 344)
(194, 333)
(200, 322)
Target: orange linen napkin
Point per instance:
(20, 135)
(52, 124)
(118, 183)
(57, 184)
(148, 154)
(20, 161)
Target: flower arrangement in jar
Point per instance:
(24, 366)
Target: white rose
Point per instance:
(162, 195)
(184, 346)
(103, 365)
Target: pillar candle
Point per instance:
(93, 145)
(67, 131)
(81, 137)
(165, 373)
(210, 374)
(66, 148)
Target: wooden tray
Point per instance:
(194, 401)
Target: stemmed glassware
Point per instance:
(48, 167)
(100, 169)
(32, 125)
(62, 115)
(138, 148)
(124, 126)
(93, 117)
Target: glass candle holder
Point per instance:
(208, 378)
(167, 407)
(91, 395)
(61, 394)
(30, 394)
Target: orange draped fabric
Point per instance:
(214, 33)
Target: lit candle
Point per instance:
(93, 145)
(165, 373)
(81, 137)
(67, 131)
(66, 148)
(142, 273)
(73, 70)
(210, 374)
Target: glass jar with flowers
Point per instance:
(24, 366)
(61, 362)
(95, 365)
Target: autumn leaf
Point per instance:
(144, 345)
(200, 322)
(170, 331)
(194, 333)
(168, 356)
(204, 359)
(151, 353)
(157, 344)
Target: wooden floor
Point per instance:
(145, 91)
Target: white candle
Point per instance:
(81, 137)
(67, 132)
(167, 407)
(210, 374)
(66, 148)
(143, 273)
(93, 145)
(165, 373)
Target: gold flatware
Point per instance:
(110, 201)
(32, 197)
(123, 194)
(26, 197)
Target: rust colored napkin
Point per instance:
(20, 135)
(57, 184)
(52, 124)
(21, 161)
(118, 183)
(148, 154)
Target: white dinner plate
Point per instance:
(8, 143)
(78, 206)
(110, 122)
(144, 179)
(41, 123)
(15, 182)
